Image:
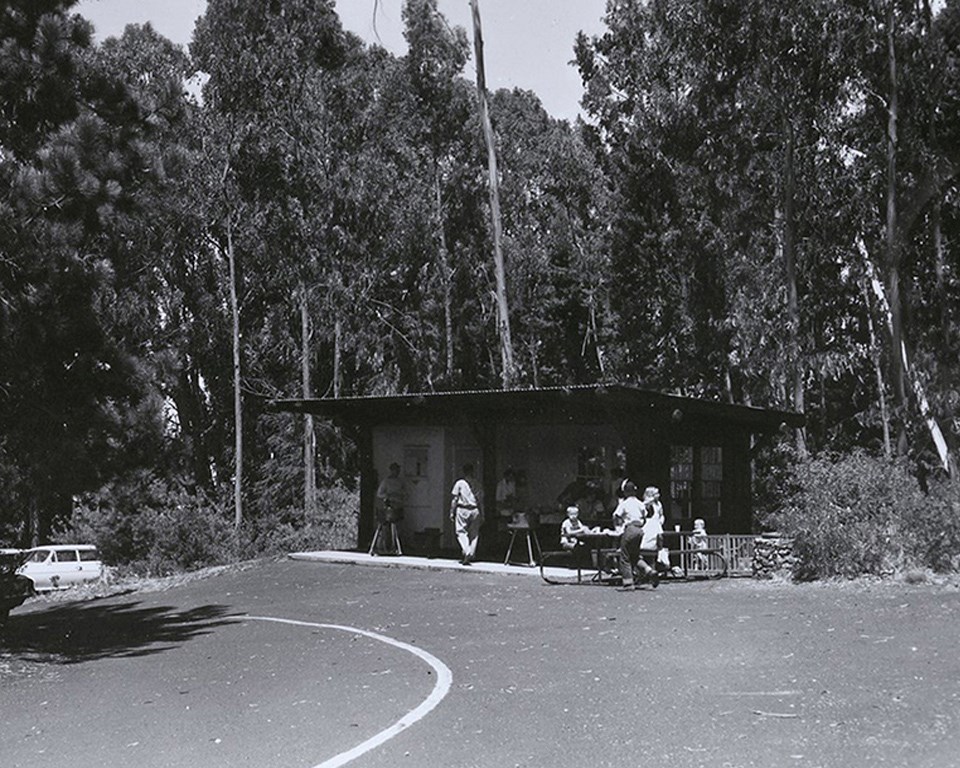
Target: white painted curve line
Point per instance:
(440, 689)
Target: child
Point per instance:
(572, 526)
(569, 529)
(698, 541)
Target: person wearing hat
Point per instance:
(631, 515)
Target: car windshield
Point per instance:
(39, 556)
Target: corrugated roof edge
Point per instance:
(790, 418)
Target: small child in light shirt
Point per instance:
(698, 541)
(572, 526)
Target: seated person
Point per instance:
(570, 527)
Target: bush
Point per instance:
(858, 515)
(156, 528)
(152, 526)
(333, 525)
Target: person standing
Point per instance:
(390, 501)
(631, 515)
(650, 544)
(651, 499)
(699, 542)
(390, 495)
(465, 513)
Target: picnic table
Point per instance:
(598, 557)
(597, 561)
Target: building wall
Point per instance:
(420, 452)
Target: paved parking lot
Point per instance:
(725, 673)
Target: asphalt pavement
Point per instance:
(421, 664)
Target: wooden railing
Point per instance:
(736, 549)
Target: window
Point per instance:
(40, 556)
(67, 556)
(591, 463)
(696, 481)
(681, 481)
(711, 480)
(89, 555)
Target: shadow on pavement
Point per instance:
(84, 631)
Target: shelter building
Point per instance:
(557, 441)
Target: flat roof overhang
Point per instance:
(580, 404)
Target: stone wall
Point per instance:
(772, 555)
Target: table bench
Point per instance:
(591, 567)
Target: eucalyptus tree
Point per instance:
(263, 62)
(722, 130)
(554, 216)
(439, 110)
(656, 128)
(904, 132)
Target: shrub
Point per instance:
(858, 515)
(151, 526)
(333, 525)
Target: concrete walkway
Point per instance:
(425, 563)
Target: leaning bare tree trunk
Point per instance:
(309, 437)
(237, 397)
(919, 393)
(503, 314)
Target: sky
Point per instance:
(527, 43)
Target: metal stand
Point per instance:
(393, 537)
(533, 543)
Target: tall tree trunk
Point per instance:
(790, 269)
(337, 344)
(596, 336)
(309, 437)
(935, 223)
(237, 396)
(189, 400)
(503, 313)
(878, 372)
(445, 274)
(33, 522)
(891, 254)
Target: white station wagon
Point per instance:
(58, 566)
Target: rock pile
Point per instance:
(772, 554)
